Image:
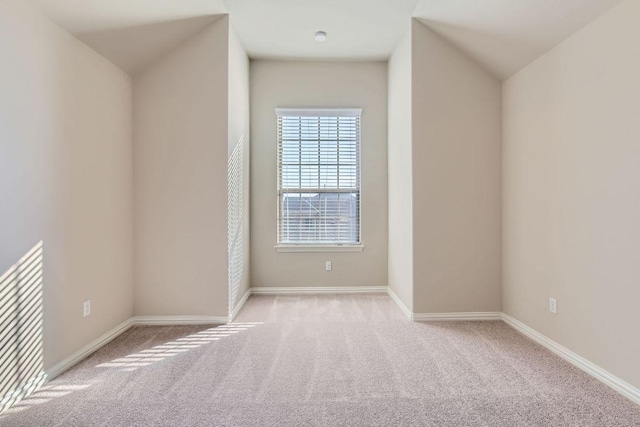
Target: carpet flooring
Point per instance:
(331, 360)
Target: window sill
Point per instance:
(319, 248)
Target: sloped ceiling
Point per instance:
(502, 35)
(506, 35)
(132, 49)
(90, 16)
(132, 33)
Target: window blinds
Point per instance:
(318, 176)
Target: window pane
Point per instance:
(290, 176)
(309, 176)
(328, 176)
(329, 151)
(319, 218)
(348, 177)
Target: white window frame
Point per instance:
(320, 247)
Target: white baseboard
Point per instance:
(85, 351)
(96, 344)
(622, 387)
(407, 312)
(179, 320)
(16, 395)
(467, 315)
(291, 290)
(433, 317)
(239, 305)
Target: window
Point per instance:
(318, 177)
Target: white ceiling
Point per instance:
(132, 33)
(502, 35)
(506, 35)
(133, 48)
(356, 29)
(91, 16)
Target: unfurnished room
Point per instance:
(319, 213)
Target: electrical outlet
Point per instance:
(327, 266)
(553, 305)
(86, 308)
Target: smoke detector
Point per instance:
(321, 36)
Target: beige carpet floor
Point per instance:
(339, 360)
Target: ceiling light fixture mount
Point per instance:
(321, 36)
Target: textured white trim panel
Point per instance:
(622, 387)
(470, 315)
(400, 304)
(179, 320)
(290, 290)
(239, 305)
(85, 351)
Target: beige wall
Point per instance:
(239, 127)
(318, 84)
(571, 192)
(400, 179)
(180, 179)
(65, 175)
(456, 179)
